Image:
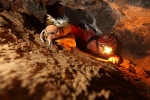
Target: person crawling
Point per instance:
(70, 35)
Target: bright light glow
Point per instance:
(107, 50)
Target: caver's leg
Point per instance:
(67, 41)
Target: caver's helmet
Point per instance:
(103, 45)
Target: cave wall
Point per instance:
(35, 8)
(129, 19)
(133, 30)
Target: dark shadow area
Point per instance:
(5, 5)
(108, 79)
(120, 88)
(16, 93)
(55, 10)
(32, 22)
(79, 17)
(119, 50)
(11, 26)
(72, 14)
(32, 11)
(102, 19)
(133, 43)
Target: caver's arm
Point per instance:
(78, 32)
(57, 31)
(61, 36)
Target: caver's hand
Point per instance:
(50, 38)
(114, 59)
(52, 32)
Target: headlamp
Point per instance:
(105, 49)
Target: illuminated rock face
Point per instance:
(28, 70)
(128, 18)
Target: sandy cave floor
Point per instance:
(29, 70)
